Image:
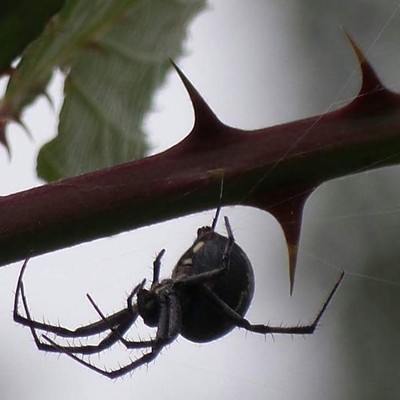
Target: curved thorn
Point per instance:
(3, 137)
(373, 95)
(204, 116)
(293, 250)
(19, 121)
(49, 99)
(370, 80)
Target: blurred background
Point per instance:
(258, 63)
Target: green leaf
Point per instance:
(115, 54)
(110, 87)
(21, 21)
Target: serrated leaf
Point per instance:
(61, 40)
(115, 54)
(110, 87)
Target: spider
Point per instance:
(207, 295)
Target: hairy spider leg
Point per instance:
(156, 276)
(168, 329)
(218, 210)
(119, 321)
(169, 323)
(242, 322)
(156, 269)
(87, 330)
(116, 331)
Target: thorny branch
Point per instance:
(274, 168)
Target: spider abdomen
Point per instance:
(201, 322)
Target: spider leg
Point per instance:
(264, 329)
(119, 321)
(169, 322)
(204, 277)
(87, 330)
(118, 332)
(126, 319)
(168, 329)
(156, 268)
(229, 244)
(218, 210)
(113, 374)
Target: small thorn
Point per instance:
(19, 121)
(3, 138)
(370, 80)
(373, 95)
(293, 251)
(49, 99)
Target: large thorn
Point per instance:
(205, 119)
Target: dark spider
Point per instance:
(208, 294)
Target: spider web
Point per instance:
(352, 224)
(348, 224)
(357, 231)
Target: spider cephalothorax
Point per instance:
(208, 294)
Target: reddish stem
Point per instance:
(274, 168)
